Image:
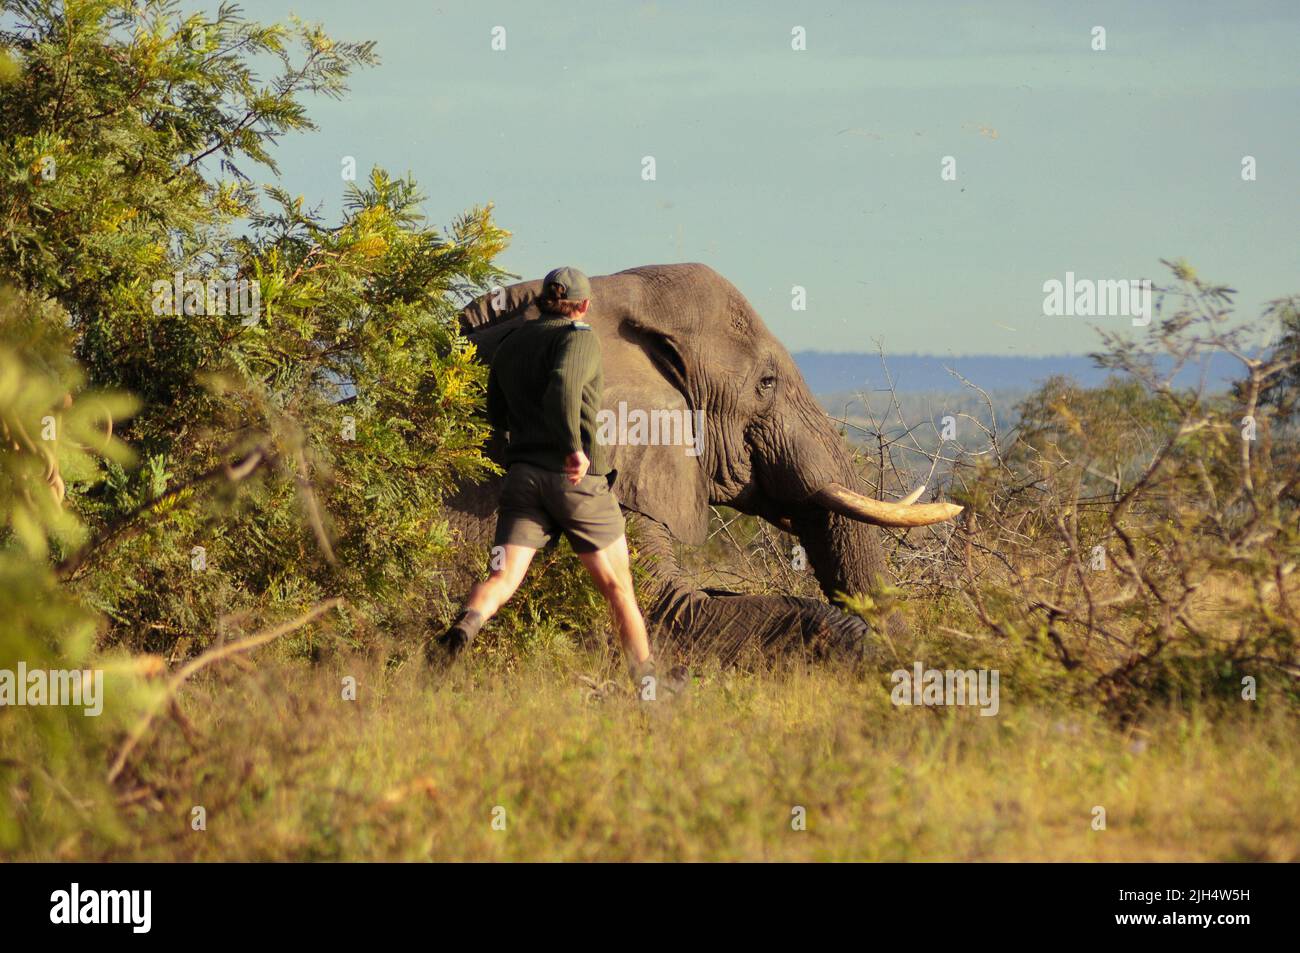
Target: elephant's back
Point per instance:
(686, 279)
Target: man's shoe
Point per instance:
(644, 679)
(443, 650)
(455, 641)
(650, 686)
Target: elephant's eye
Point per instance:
(766, 383)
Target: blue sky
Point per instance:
(821, 168)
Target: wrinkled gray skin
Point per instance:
(682, 337)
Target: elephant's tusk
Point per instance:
(839, 499)
(913, 496)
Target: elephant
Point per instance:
(682, 339)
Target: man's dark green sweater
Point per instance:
(545, 388)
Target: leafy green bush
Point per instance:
(274, 441)
(218, 408)
(48, 437)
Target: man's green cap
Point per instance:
(567, 284)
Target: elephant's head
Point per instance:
(681, 338)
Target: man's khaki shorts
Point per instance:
(537, 503)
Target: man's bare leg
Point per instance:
(486, 597)
(493, 592)
(612, 573)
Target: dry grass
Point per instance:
(287, 769)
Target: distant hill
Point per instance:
(829, 373)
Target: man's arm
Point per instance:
(577, 361)
(496, 404)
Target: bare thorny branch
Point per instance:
(1112, 568)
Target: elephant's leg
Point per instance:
(472, 519)
(696, 622)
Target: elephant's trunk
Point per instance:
(846, 555)
(836, 524)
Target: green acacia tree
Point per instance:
(132, 132)
(302, 448)
(47, 437)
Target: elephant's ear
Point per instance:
(500, 304)
(663, 482)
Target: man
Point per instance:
(544, 391)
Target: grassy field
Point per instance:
(285, 768)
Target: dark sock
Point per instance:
(463, 630)
(639, 670)
(469, 622)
